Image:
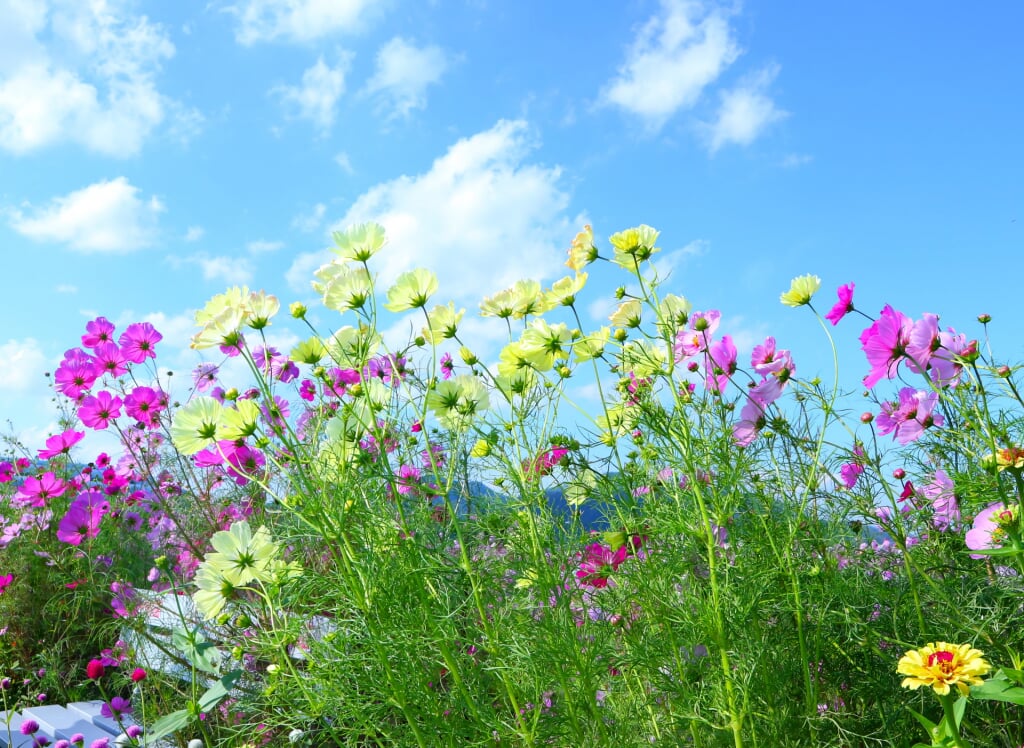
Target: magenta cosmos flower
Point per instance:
(35, 491)
(138, 342)
(98, 331)
(842, 307)
(99, 410)
(83, 518)
(598, 564)
(885, 344)
(61, 444)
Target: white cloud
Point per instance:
(403, 73)
(668, 262)
(344, 162)
(673, 58)
(103, 217)
(298, 20)
(745, 111)
(316, 98)
(24, 364)
(67, 288)
(194, 233)
(794, 160)
(233, 271)
(309, 222)
(261, 246)
(481, 218)
(93, 81)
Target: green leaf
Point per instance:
(169, 723)
(926, 723)
(1008, 551)
(202, 654)
(999, 689)
(218, 691)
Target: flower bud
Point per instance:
(1003, 372)
(899, 473)
(298, 310)
(867, 417)
(94, 670)
(984, 318)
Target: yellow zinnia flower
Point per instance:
(941, 665)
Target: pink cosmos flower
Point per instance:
(205, 376)
(83, 518)
(720, 364)
(5, 582)
(275, 413)
(696, 339)
(752, 420)
(842, 307)
(98, 331)
(910, 416)
(408, 480)
(933, 350)
(885, 344)
(987, 532)
(35, 491)
(764, 359)
(545, 462)
(98, 411)
(138, 342)
(61, 444)
(849, 473)
(447, 366)
(942, 492)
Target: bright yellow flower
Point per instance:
(502, 305)
(443, 323)
(563, 292)
(262, 306)
(941, 665)
(360, 241)
(582, 252)
(411, 290)
(633, 246)
(529, 299)
(628, 314)
(801, 290)
(591, 345)
(194, 426)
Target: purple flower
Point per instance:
(29, 727)
(83, 518)
(114, 708)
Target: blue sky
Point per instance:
(152, 154)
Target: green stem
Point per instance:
(950, 719)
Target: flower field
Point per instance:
(358, 543)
